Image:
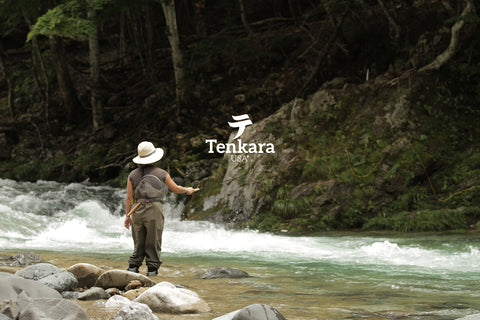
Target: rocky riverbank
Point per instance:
(105, 292)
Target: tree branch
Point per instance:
(454, 39)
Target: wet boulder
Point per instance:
(49, 308)
(116, 302)
(254, 312)
(12, 285)
(36, 300)
(224, 272)
(94, 293)
(86, 274)
(134, 311)
(38, 271)
(120, 279)
(62, 281)
(167, 298)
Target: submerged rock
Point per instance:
(258, 312)
(254, 312)
(224, 272)
(166, 297)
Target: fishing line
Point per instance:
(421, 163)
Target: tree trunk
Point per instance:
(243, 16)
(6, 74)
(177, 54)
(38, 63)
(94, 54)
(65, 84)
(122, 46)
(150, 37)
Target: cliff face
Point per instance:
(349, 156)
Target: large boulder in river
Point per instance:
(62, 281)
(120, 279)
(49, 308)
(166, 297)
(224, 272)
(253, 312)
(37, 301)
(12, 285)
(38, 271)
(86, 274)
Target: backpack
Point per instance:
(150, 188)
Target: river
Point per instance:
(327, 276)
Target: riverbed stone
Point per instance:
(167, 298)
(134, 293)
(258, 311)
(475, 316)
(12, 285)
(135, 311)
(49, 308)
(10, 308)
(38, 271)
(86, 274)
(26, 258)
(134, 284)
(116, 302)
(36, 300)
(120, 279)
(94, 293)
(62, 281)
(224, 272)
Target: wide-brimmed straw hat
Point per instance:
(147, 153)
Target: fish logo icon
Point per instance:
(243, 121)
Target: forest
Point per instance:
(82, 82)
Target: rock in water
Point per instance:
(253, 312)
(94, 293)
(38, 271)
(38, 301)
(49, 308)
(135, 311)
(120, 279)
(63, 281)
(258, 312)
(24, 258)
(116, 302)
(224, 272)
(12, 285)
(165, 297)
(86, 274)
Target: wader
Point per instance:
(147, 222)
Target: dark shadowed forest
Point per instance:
(82, 82)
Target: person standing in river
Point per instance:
(146, 187)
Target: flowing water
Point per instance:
(328, 276)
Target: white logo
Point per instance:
(238, 150)
(243, 122)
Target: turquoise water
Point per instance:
(328, 276)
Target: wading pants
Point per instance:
(147, 230)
